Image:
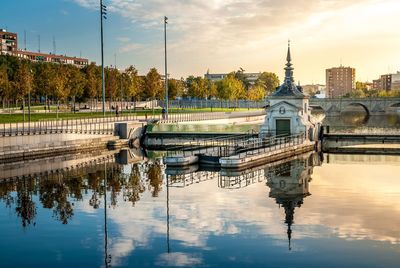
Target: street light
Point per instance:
(166, 73)
(103, 13)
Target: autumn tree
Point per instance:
(256, 93)
(132, 83)
(230, 88)
(153, 87)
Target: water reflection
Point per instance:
(147, 214)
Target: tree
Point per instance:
(175, 88)
(61, 89)
(23, 79)
(5, 92)
(230, 88)
(112, 83)
(76, 84)
(256, 93)
(132, 83)
(269, 81)
(153, 88)
(197, 87)
(93, 81)
(44, 80)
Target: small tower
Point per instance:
(288, 112)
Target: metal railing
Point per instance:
(241, 145)
(186, 117)
(79, 126)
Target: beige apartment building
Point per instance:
(9, 46)
(340, 81)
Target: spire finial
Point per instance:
(288, 57)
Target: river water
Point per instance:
(312, 211)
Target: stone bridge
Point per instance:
(372, 106)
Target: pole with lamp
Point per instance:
(103, 13)
(166, 72)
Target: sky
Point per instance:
(218, 35)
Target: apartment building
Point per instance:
(340, 81)
(9, 46)
(8, 42)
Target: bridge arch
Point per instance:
(357, 104)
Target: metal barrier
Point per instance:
(78, 126)
(241, 145)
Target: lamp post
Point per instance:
(103, 13)
(29, 101)
(166, 72)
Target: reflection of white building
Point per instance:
(289, 184)
(289, 112)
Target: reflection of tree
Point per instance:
(94, 184)
(54, 194)
(75, 185)
(5, 193)
(134, 187)
(115, 182)
(155, 179)
(25, 207)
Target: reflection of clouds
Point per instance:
(341, 205)
(177, 259)
(357, 202)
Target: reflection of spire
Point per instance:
(289, 216)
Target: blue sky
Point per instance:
(220, 35)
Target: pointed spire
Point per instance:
(288, 57)
(289, 69)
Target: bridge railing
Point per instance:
(78, 126)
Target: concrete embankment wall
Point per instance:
(361, 144)
(35, 146)
(53, 164)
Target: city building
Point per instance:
(340, 81)
(249, 77)
(8, 42)
(376, 84)
(9, 46)
(43, 57)
(387, 82)
(314, 90)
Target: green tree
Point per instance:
(44, 80)
(175, 88)
(197, 87)
(269, 81)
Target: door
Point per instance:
(283, 127)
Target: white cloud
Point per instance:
(130, 47)
(123, 39)
(223, 35)
(177, 259)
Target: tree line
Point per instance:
(46, 82)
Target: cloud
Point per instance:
(177, 259)
(131, 47)
(123, 39)
(225, 34)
